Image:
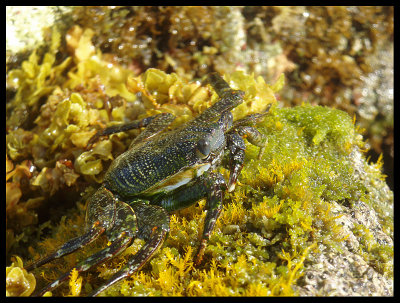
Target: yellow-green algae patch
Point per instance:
(18, 282)
(279, 213)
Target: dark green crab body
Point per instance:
(163, 171)
(159, 165)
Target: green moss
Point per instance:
(277, 218)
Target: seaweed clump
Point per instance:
(18, 282)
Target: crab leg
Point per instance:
(241, 128)
(253, 119)
(216, 183)
(153, 225)
(158, 122)
(99, 257)
(230, 98)
(69, 247)
(220, 86)
(120, 236)
(237, 149)
(213, 185)
(244, 129)
(100, 216)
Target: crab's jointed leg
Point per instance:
(236, 147)
(100, 216)
(230, 98)
(69, 247)
(153, 226)
(120, 237)
(217, 186)
(158, 124)
(244, 127)
(218, 83)
(210, 185)
(154, 124)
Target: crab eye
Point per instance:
(203, 148)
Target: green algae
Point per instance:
(276, 219)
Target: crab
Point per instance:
(161, 172)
